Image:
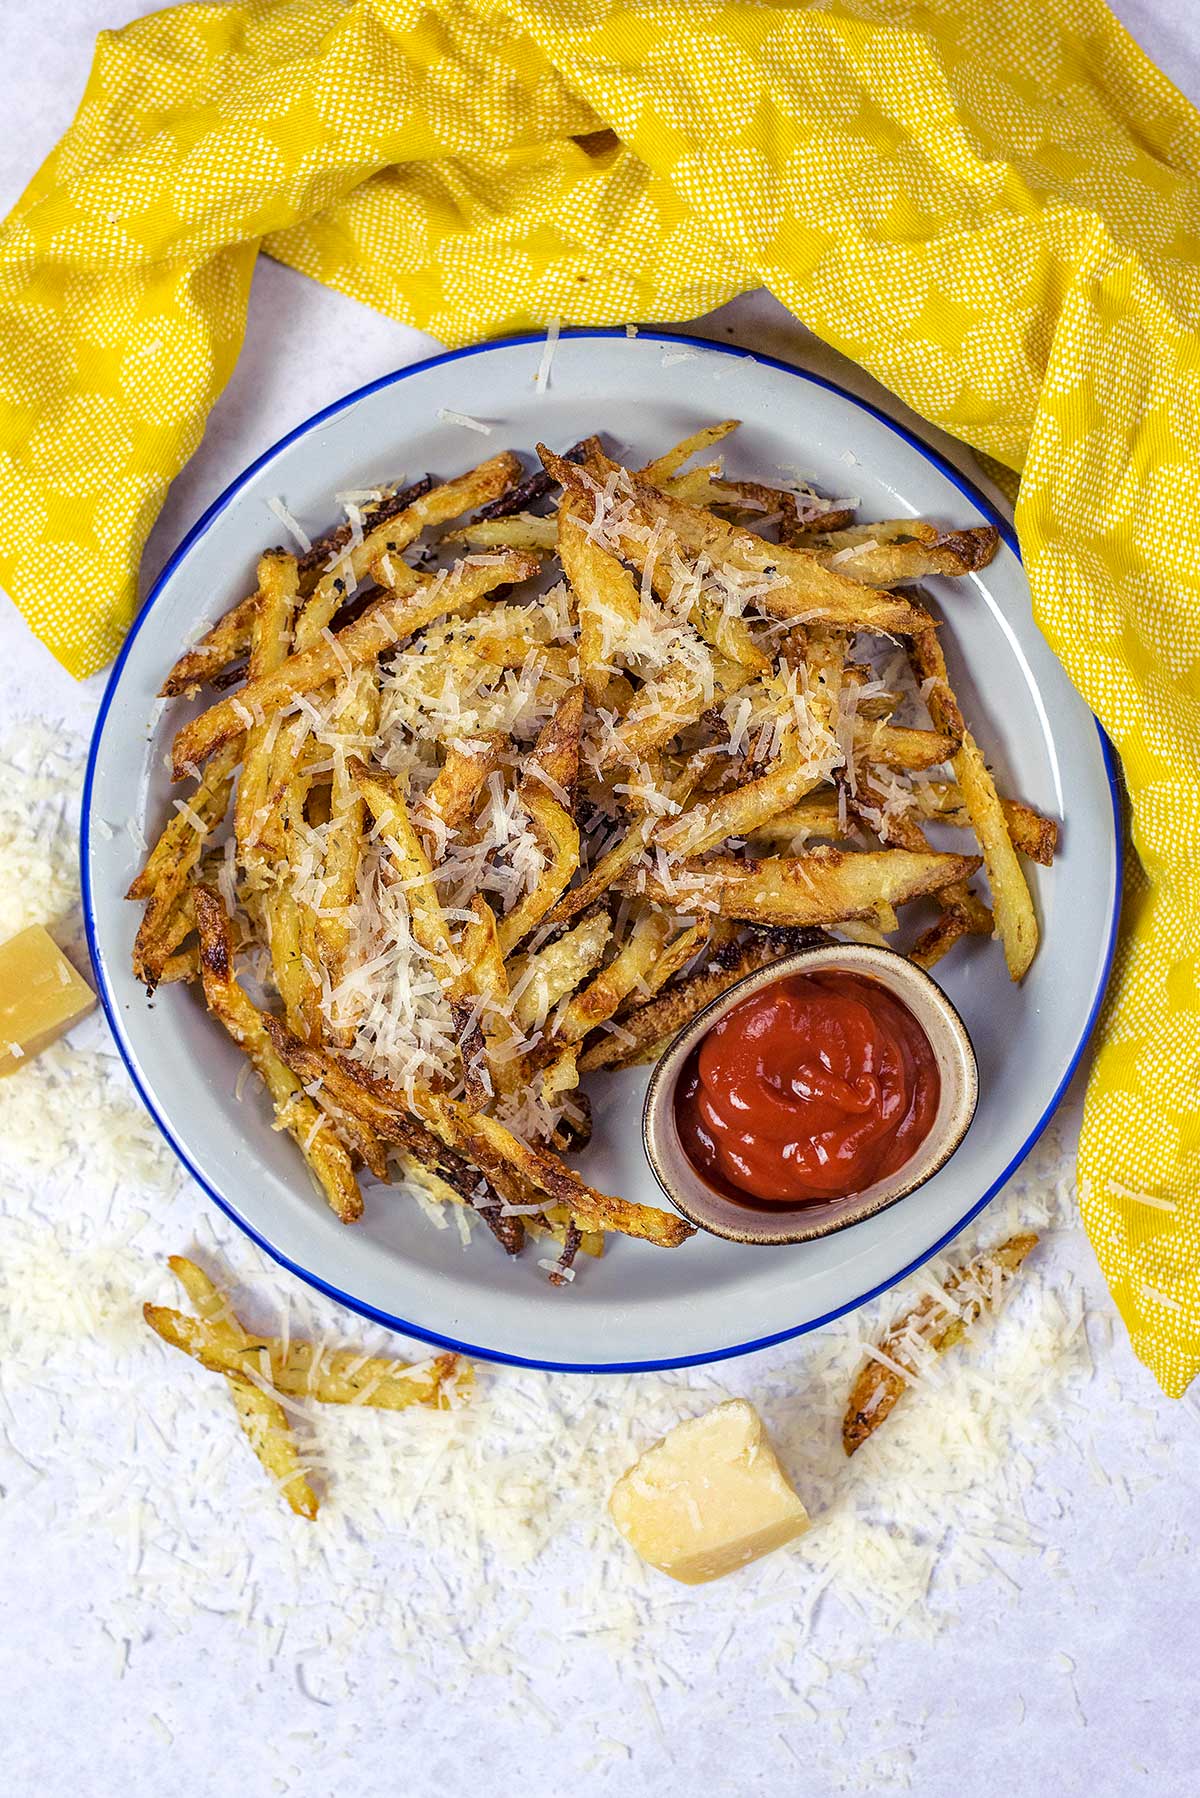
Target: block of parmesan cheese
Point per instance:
(709, 1497)
(41, 995)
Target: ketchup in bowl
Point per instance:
(813, 1088)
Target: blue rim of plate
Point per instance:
(111, 1010)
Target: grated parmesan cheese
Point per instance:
(300, 537)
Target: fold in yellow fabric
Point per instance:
(994, 208)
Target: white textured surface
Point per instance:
(159, 1634)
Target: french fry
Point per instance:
(181, 842)
(558, 834)
(358, 717)
(541, 980)
(670, 702)
(1032, 834)
(325, 1154)
(663, 1017)
(173, 861)
(1012, 904)
(487, 1140)
(263, 1419)
(409, 606)
(451, 800)
(310, 1370)
(899, 746)
(548, 781)
(628, 971)
(215, 650)
(906, 550)
(521, 531)
(821, 887)
(672, 460)
(931, 1327)
(605, 595)
(278, 584)
(486, 976)
(742, 811)
(387, 806)
(265, 1425)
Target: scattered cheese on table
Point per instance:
(41, 996)
(708, 1497)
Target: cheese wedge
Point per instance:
(41, 996)
(708, 1498)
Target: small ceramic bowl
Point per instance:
(709, 1209)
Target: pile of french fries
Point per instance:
(508, 775)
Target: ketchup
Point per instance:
(813, 1088)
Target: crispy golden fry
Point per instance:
(215, 650)
(555, 759)
(309, 1370)
(816, 815)
(682, 949)
(264, 1422)
(379, 552)
(1016, 919)
(962, 912)
(285, 932)
(487, 1140)
(628, 972)
(927, 1330)
(172, 863)
(485, 976)
(278, 584)
(521, 531)
(541, 980)
(558, 834)
(442, 1126)
(305, 1123)
(821, 887)
(451, 800)
(742, 811)
(663, 1017)
(605, 595)
(905, 550)
(358, 717)
(387, 806)
(548, 781)
(668, 464)
(669, 703)
(791, 583)
(1032, 834)
(410, 606)
(181, 842)
(939, 939)
(898, 746)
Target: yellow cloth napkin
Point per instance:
(994, 205)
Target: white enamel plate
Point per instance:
(640, 1306)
